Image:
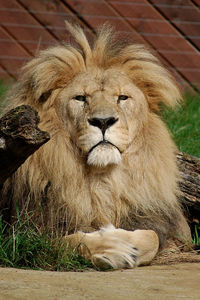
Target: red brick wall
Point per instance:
(170, 27)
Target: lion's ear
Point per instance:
(150, 76)
(44, 96)
(163, 91)
(51, 69)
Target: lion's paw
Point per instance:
(121, 257)
(109, 248)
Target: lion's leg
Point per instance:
(116, 248)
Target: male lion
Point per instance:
(110, 159)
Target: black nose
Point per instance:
(103, 123)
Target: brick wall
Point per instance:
(170, 27)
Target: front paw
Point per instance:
(108, 250)
(120, 256)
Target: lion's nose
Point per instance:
(103, 123)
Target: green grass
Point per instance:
(22, 245)
(196, 235)
(3, 89)
(184, 124)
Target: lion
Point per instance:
(107, 180)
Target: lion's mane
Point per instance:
(57, 185)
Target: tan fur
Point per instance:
(133, 186)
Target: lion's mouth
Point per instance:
(103, 154)
(104, 143)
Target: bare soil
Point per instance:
(164, 282)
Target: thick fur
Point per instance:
(72, 185)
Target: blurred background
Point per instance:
(171, 28)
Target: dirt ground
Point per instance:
(181, 281)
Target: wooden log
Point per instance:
(19, 138)
(189, 167)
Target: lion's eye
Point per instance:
(121, 98)
(80, 98)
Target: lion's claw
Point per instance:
(116, 260)
(113, 250)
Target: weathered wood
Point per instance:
(19, 138)
(190, 186)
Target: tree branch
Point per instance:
(19, 138)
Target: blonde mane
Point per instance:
(55, 182)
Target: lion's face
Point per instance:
(102, 111)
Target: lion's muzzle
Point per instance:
(104, 152)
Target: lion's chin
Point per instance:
(104, 155)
